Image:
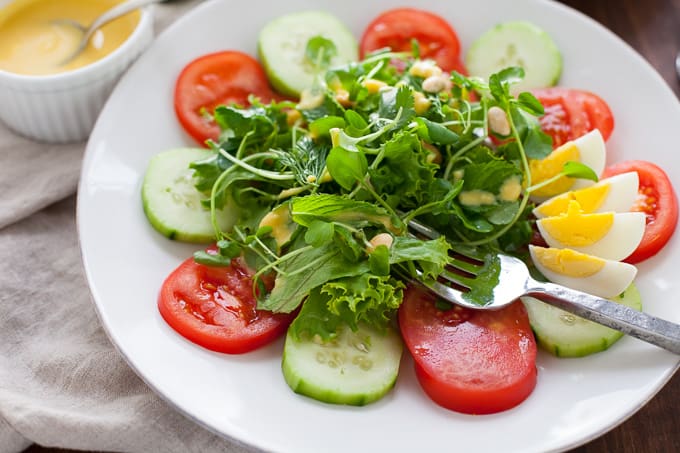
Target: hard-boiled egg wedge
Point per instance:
(615, 194)
(588, 149)
(587, 273)
(608, 235)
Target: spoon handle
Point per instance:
(115, 13)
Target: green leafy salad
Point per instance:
(312, 183)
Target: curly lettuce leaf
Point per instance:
(365, 298)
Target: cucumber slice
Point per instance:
(171, 202)
(566, 335)
(356, 368)
(517, 44)
(282, 45)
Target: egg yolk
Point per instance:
(32, 43)
(568, 262)
(544, 169)
(589, 198)
(577, 229)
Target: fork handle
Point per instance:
(640, 325)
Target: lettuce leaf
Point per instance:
(364, 298)
(340, 209)
(305, 271)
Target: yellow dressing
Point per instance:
(281, 223)
(568, 262)
(476, 198)
(589, 198)
(511, 189)
(544, 169)
(577, 229)
(32, 45)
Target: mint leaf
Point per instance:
(319, 233)
(339, 209)
(351, 248)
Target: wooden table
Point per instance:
(652, 27)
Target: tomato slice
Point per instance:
(470, 361)
(216, 79)
(215, 307)
(397, 27)
(571, 113)
(657, 199)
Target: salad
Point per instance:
(307, 190)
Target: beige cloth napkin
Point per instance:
(62, 383)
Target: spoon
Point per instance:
(677, 65)
(106, 17)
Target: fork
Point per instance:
(515, 281)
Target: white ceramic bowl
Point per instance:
(63, 107)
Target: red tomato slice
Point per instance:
(657, 199)
(216, 79)
(570, 113)
(470, 361)
(214, 307)
(396, 28)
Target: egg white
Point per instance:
(592, 152)
(623, 191)
(620, 241)
(608, 282)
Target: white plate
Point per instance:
(245, 397)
